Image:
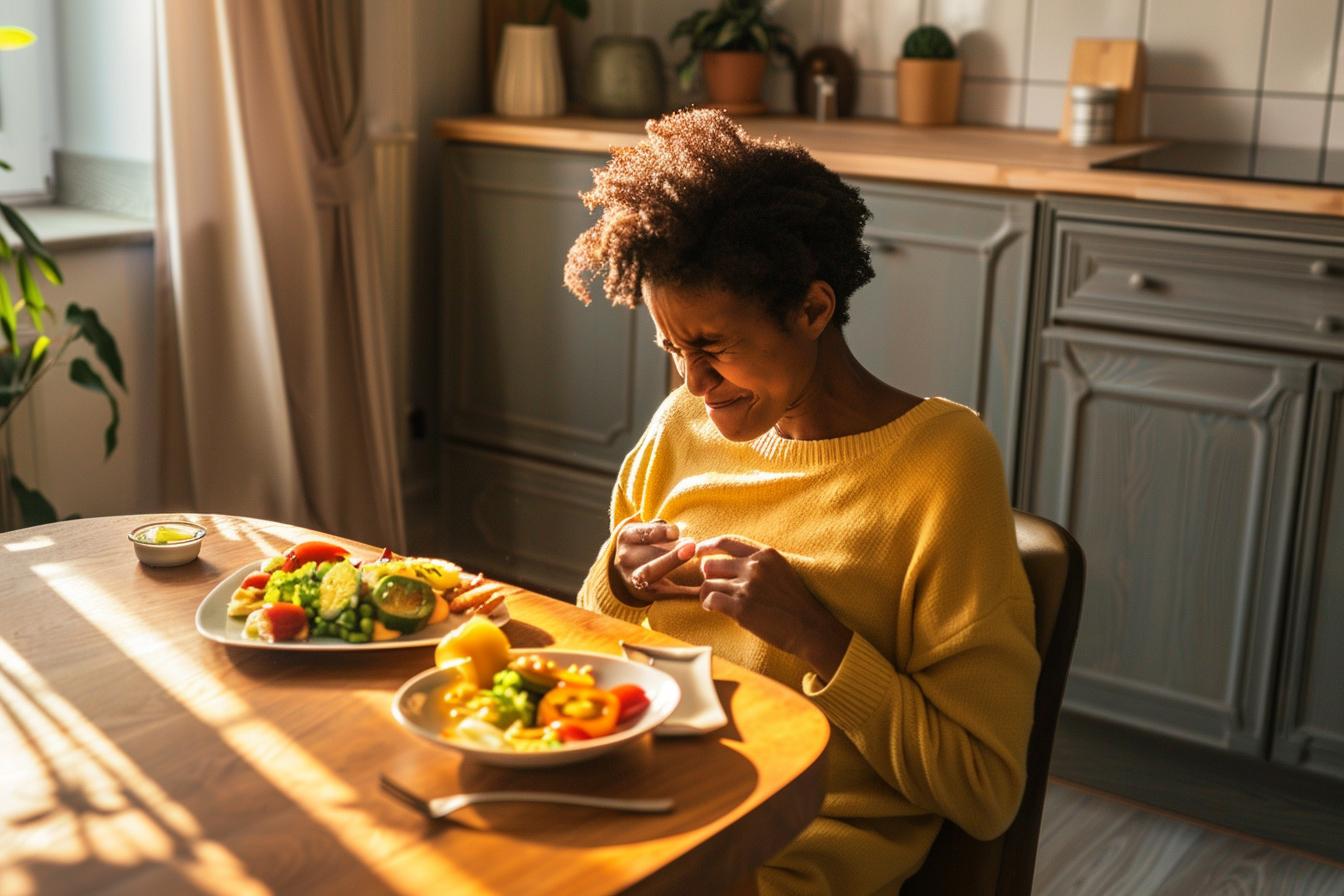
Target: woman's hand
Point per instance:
(645, 554)
(762, 591)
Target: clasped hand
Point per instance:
(756, 586)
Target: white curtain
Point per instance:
(276, 387)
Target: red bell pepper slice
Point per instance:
(313, 552)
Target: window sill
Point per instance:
(63, 227)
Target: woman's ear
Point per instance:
(818, 308)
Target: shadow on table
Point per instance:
(706, 778)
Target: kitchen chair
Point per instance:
(958, 863)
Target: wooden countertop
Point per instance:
(996, 158)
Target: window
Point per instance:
(29, 113)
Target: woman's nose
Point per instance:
(701, 377)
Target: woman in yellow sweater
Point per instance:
(803, 518)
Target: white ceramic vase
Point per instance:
(529, 80)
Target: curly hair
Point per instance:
(700, 204)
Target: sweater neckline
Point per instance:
(773, 446)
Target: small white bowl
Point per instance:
(174, 553)
(408, 708)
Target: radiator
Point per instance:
(394, 168)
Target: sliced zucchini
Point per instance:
(339, 590)
(403, 604)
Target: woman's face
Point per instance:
(734, 356)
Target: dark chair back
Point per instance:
(958, 863)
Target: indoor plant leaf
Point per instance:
(83, 375)
(32, 296)
(34, 508)
(730, 32)
(34, 356)
(91, 330)
(41, 256)
(9, 318)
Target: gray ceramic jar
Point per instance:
(624, 77)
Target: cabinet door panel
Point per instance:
(521, 520)
(947, 312)
(1311, 711)
(528, 368)
(1176, 468)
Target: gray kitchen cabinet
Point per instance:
(1176, 467)
(946, 313)
(1310, 728)
(542, 396)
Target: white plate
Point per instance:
(700, 711)
(410, 701)
(214, 622)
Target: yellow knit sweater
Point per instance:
(905, 534)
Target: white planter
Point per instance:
(529, 80)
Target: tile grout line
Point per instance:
(1026, 67)
(1330, 94)
(1260, 87)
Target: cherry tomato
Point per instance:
(256, 580)
(569, 733)
(313, 552)
(592, 709)
(288, 622)
(633, 701)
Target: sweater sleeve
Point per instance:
(949, 727)
(627, 505)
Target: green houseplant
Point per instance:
(928, 78)
(731, 42)
(28, 352)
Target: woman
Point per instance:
(805, 519)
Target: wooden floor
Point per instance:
(1091, 844)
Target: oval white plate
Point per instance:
(213, 621)
(408, 708)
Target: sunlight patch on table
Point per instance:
(36, 543)
(271, 753)
(86, 801)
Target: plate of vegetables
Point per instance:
(317, 596)
(531, 707)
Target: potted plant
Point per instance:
(26, 357)
(28, 353)
(928, 78)
(530, 81)
(732, 41)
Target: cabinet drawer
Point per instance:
(1199, 283)
(521, 520)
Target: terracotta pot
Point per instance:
(529, 80)
(733, 77)
(928, 90)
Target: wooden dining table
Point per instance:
(136, 756)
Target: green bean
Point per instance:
(358, 638)
(366, 611)
(323, 567)
(347, 618)
(366, 625)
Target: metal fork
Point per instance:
(443, 806)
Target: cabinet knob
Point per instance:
(1320, 268)
(1137, 281)
(1329, 323)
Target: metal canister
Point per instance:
(1093, 117)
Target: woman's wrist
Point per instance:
(826, 647)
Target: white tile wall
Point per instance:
(1334, 144)
(1229, 70)
(1299, 44)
